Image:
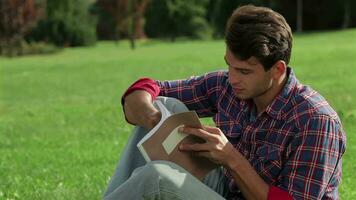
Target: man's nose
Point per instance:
(234, 79)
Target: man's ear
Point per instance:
(279, 69)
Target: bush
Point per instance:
(202, 29)
(177, 18)
(68, 23)
(39, 48)
(25, 48)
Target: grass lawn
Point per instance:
(62, 127)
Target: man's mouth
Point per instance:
(238, 89)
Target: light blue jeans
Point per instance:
(136, 179)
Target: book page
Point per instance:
(164, 115)
(173, 139)
(163, 144)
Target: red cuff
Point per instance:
(276, 193)
(147, 84)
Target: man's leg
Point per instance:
(162, 180)
(217, 181)
(131, 157)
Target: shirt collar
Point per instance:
(275, 109)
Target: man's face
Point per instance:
(248, 78)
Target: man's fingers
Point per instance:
(212, 129)
(197, 132)
(194, 147)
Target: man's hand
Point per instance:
(219, 150)
(140, 111)
(216, 147)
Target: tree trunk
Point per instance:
(139, 22)
(299, 16)
(347, 14)
(117, 23)
(117, 34)
(132, 19)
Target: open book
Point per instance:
(162, 142)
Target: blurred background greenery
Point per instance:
(43, 26)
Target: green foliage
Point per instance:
(220, 13)
(38, 48)
(177, 18)
(106, 26)
(61, 123)
(220, 10)
(206, 18)
(68, 23)
(16, 19)
(318, 15)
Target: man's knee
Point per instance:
(163, 173)
(171, 179)
(172, 104)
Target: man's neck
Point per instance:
(266, 99)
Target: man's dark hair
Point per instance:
(259, 32)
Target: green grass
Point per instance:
(61, 124)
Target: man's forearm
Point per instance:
(139, 110)
(249, 182)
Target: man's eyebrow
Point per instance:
(235, 67)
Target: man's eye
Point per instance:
(245, 72)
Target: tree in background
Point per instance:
(121, 18)
(299, 16)
(17, 17)
(73, 22)
(347, 14)
(198, 19)
(317, 14)
(138, 11)
(113, 18)
(219, 11)
(67, 23)
(177, 18)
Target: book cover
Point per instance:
(162, 142)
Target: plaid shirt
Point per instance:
(295, 145)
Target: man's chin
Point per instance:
(242, 96)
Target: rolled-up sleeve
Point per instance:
(199, 93)
(314, 162)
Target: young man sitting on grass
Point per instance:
(274, 137)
